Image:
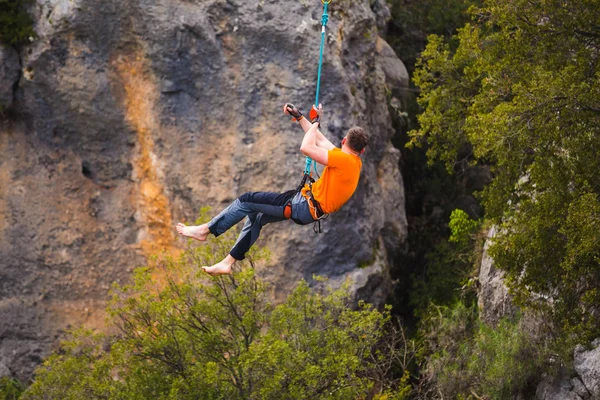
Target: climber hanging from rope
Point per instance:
(310, 201)
(307, 204)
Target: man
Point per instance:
(335, 187)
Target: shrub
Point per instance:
(463, 357)
(10, 389)
(451, 265)
(184, 335)
(16, 26)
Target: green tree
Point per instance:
(16, 26)
(521, 92)
(183, 335)
(430, 268)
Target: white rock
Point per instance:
(587, 366)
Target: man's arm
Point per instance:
(310, 147)
(321, 140)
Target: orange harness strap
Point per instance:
(287, 211)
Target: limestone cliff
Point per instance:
(128, 116)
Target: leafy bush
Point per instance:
(16, 26)
(451, 265)
(464, 357)
(506, 359)
(183, 335)
(10, 389)
(462, 227)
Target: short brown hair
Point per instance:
(357, 138)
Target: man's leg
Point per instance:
(249, 234)
(261, 208)
(231, 215)
(249, 203)
(268, 203)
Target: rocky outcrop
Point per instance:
(561, 388)
(131, 116)
(10, 71)
(587, 366)
(396, 75)
(493, 298)
(583, 384)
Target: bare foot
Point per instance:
(222, 268)
(199, 232)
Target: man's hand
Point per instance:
(291, 109)
(315, 114)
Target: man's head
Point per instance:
(356, 139)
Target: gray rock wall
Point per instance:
(130, 116)
(587, 366)
(582, 384)
(10, 70)
(493, 298)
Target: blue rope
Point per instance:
(324, 20)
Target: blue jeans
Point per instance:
(260, 208)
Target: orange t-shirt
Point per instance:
(338, 181)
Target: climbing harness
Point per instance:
(313, 114)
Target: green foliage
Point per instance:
(446, 99)
(447, 271)
(521, 92)
(451, 265)
(80, 370)
(10, 389)
(446, 334)
(432, 269)
(462, 227)
(184, 335)
(505, 359)
(16, 26)
(465, 357)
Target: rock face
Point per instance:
(561, 388)
(584, 385)
(587, 366)
(130, 116)
(493, 298)
(395, 72)
(10, 70)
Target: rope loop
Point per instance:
(325, 1)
